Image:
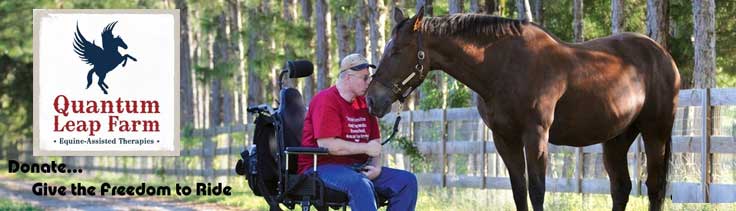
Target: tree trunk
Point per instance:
(308, 90)
(377, 12)
(236, 58)
(577, 22)
(289, 11)
(704, 72)
(306, 9)
(491, 7)
(538, 12)
(215, 93)
(255, 91)
(525, 12)
(456, 6)
(222, 99)
(360, 20)
(474, 6)
(196, 49)
(428, 8)
(617, 16)
(342, 34)
(185, 88)
(658, 24)
(323, 65)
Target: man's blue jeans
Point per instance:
(399, 186)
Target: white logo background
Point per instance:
(150, 39)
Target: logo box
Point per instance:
(106, 82)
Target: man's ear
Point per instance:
(418, 19)
(398, 15)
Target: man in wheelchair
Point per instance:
(338, 119)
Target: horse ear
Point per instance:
(398, 15)
(418, 19)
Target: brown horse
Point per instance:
(536, 90)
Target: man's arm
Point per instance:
(338, 146)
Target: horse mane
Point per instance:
(477, 25)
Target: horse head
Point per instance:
(403, 66)
(110, 42)
(119, 42)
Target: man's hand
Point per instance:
(373, 148)
(371, 171)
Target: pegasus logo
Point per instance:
(103, 60)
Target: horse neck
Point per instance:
(460, 60)
(467, 60)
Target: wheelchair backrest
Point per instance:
(291, 112)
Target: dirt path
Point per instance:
(19, 190)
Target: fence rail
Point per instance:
(489, 170)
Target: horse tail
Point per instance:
(89, 77)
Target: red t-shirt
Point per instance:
(329, 116)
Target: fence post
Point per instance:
(207, 154)
(443, 148)
(407, 165)
(28, 150)
(579, 159)
(705, 145)
(484, 156)
(637, 165)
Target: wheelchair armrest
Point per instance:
(307, 150)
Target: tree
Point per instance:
(522, 6)
(456, 6)
(377, 36)
(704, 72)
(617, 19)
(360, 20)
(538, 11)
(658, 21)
(235, 63)
(428, 7)
(255, 87)
(342, 33)
(474, 6)
(577, 23)
(491, 7)
(216, 87)
(323, 65)
(308, 90)
(187, 102)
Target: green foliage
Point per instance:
(7, 204)
(681, 43)
(418, 161)
(431, 94)
(458, 94)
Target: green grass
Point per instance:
(7, 204)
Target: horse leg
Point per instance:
(125, 59)
(131, 57)
(535, 141)
(89, 77)
(658, 146)
(616, 162)
(105, 84)
(101, 81)
(513, 157)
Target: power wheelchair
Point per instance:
(270, 163)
